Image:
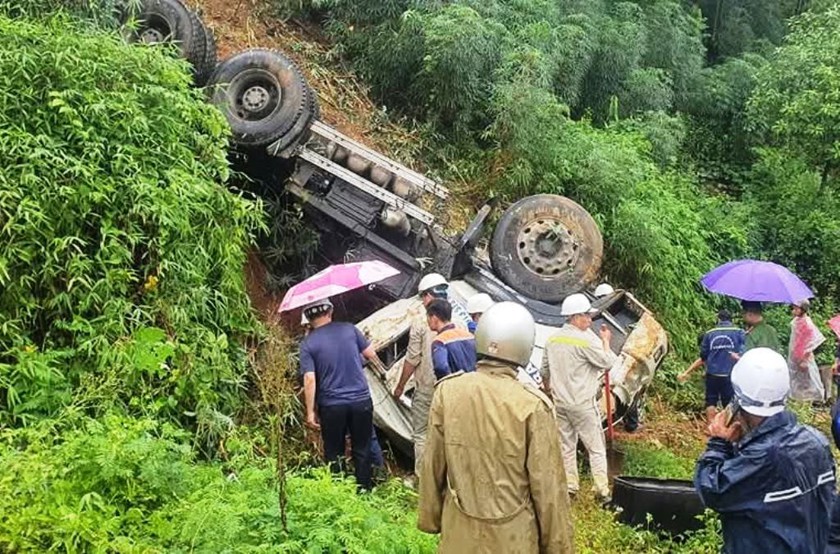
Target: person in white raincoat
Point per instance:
(805, 338)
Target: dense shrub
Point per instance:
(122, 253)
(132, 485)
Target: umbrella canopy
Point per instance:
(758, 281)
(334, 280)
(834, 323)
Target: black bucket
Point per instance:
(673, 504)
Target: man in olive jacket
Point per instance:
(492, 478)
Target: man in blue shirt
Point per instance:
(453, 349)
(333, 380)
(720, 348)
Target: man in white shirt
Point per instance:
(576, 358)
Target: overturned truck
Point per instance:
(542, 249)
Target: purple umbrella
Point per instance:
(758, 281)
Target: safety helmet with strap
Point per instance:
(432, 283)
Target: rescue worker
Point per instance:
(331, 366)
(453, 348)
(491, 479)
(759, 333)
(574, 361)
(476, 306)
(720, 348)
(377, 457)
(418, 360)
(770, 478)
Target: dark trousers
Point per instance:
(357, 420)
(377, 458)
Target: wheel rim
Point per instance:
(254, 95)
(547, 247)
(155, 30)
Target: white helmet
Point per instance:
(604, 289)
(761, 382)
(479, 303)
(431, 281)
(506, 332)
(317, 308)
(576, 304)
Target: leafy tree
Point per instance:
(738, 26)
(122, 253)
(621, 43)
(675, 45)
(797, 218)
(462, 50)
(717, 139)
(796, 104)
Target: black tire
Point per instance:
(170, 21)
(314, 107)
(263, 96)
(202, 71)
(547, 247)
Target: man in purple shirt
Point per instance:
(333, 380)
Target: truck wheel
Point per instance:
(547, 247)
(263, 96)
(202, 71)
(161, 21)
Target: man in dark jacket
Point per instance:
(719, 349)
(770, 479)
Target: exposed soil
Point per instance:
(243, 24)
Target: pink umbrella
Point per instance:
(834, 323)
(334, 280)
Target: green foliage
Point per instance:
(645, 460)
(796, 104)
(121, 264)
(599, 532)
(718, 140)
(738, 26)
(132, 485)
(101, 13)
(799, 223)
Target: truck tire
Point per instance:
(547, 247)
(160, 21)
(263, 96)
(202, 71)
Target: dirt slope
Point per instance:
(242, 24)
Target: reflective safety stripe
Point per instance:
(779, 496)
(788, 494)
(571, 341)
(826, 477)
